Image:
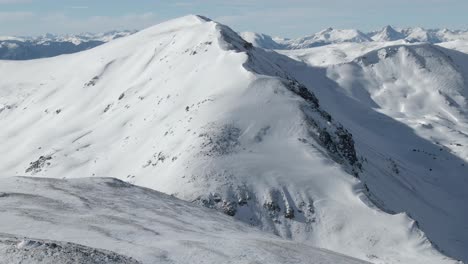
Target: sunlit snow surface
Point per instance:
(406, 106)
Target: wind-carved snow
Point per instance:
(424, 87)
(190, 109)
(52, 220)
(406, 107)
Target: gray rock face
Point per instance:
(16, 250)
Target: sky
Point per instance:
(286, 18)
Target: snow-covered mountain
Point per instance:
(49, 45)
(322, 38)
(332, 36)
(261, 40)
(387, 34)
(418, 34)
(423, 88)
(327, 36)
(335, 53)
(318, 155)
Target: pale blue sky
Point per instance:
(288, 18)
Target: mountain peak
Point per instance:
(388, 28)
(326, 30)
(388, 33)
(180, 22)
(203, 18)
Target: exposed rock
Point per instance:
(302, 91)
(222, 141)
(92, 82)
(36, 166)
(229, 208)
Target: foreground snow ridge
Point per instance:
(25, 250)
(190, 109)
(106, 216)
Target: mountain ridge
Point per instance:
(49, 45)
(336, 36)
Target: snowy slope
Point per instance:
(319, 39)
(418, 34)
(406, 107)
(261, 40)
(107, 216)
(191, 109)
(49, 45)
(335, 53)
(458, 45)
(424, 86)
(453, 35)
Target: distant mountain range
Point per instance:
(333, 36)
(49, 45)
